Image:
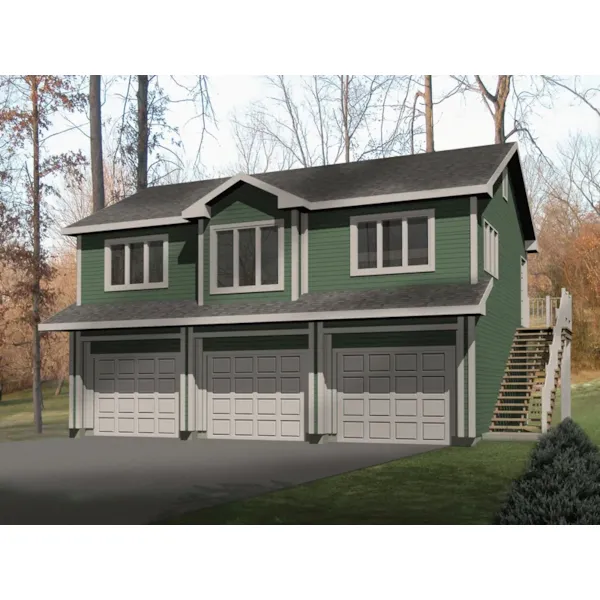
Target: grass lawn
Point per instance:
(458, 486)
(16, 414)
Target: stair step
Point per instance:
(512, 419)
(513, 404)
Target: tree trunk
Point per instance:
(345, 118)
(96, 143)
(59, 387)
(142, 118)
(428, 97)
(502, 92)
(36, 354)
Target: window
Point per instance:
(505, 185)
(136, 263)
(392, 243)
(490, 250)
(247, 257)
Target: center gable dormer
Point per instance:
(246, 246)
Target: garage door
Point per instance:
(257, 395)
(136, 395)
(399, 395)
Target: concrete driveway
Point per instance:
(101, 480)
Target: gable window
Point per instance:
(247, 257)
(505, 185)
(139, 263)
(402, 242)
(490, 250)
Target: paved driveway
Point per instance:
(100, 480)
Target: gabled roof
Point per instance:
(404, 301)
(445, 174)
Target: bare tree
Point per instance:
(30, 103)
(96, 143)
(321, 120)
(142, 132)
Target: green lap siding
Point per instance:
(391, 322)
(183, 252)
(329, 246)
(494, 332)
(245, 204)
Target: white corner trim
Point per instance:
(142, 239)
(321, 402)
(473, 235)
(200, 270)
(378, 220)
(72, 351)
(190, 424)
(78, 381)
(460, 377)
(198, 378)
(141, 223)
(311, 378)
(78, 267)
(183, 383)
(236, 228)
(484, 298)
(380, 313)
(295, 254)
(197, 209)
(304, 253)
(498, 172)
(472, 383)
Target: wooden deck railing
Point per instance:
(542, 311)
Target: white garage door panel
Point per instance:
(399, 395)
(136, 396)
(257, 395)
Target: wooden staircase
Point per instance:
(519, 405)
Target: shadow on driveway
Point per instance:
(135, 481)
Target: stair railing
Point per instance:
(564, 321)
(542, 311)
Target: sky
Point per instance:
(460, 121)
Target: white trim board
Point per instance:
(460, 377)
(472, 376)
(295, 254)
(198, 209)
(200, 265)
(304, 253)
(78, 265)
(473, 239)
(382, 313)
(138, 224)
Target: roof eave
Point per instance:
(138, 224)
(428, 311)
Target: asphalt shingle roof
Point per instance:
(415, 296)
(399, 174)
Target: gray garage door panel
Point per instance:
(395, 395)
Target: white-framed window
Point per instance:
(401, 242)
(137, 263)
(490, 250)
(505, 184)
(247, 257)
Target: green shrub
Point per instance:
(561, 484)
